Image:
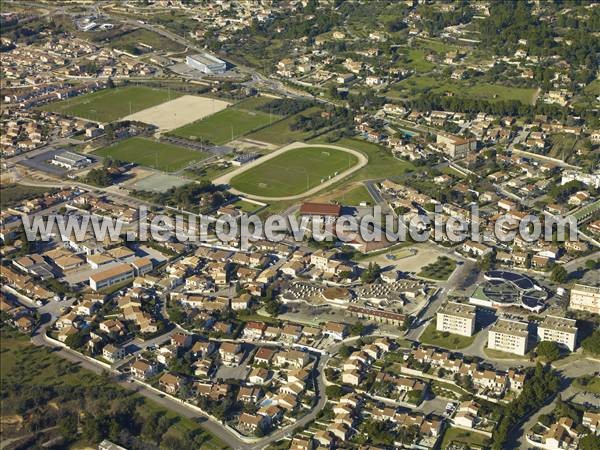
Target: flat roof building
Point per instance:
(457, 318)
(206, 63)
(70, 160)
(561, 330)
(509, 336)
(109, 277)
(585, 298)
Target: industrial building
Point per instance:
(70, 160)
(206, 63)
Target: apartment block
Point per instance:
(585, 298)
(509, 336)
(561, 330)
(457, 318)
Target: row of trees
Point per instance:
(543, 384)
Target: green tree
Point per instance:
(592, 343)
(559, 274)
(589, 442)
(548, 351)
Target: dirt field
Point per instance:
(181, 111)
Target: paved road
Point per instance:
(225, 179)
(429, 312)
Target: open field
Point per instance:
(149, 153)
(26, 371)
(224, 126)
(179, 112)
(128, 41)
(485, 91)
(280, 133)
(111, 104)
(11, 194)
(293, 172)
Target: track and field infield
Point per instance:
(294, 171)
(225, 126)
(111, 104)
(149, 153)
(179, 112)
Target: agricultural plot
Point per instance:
(149, 153)
(293, 172)
(224, 126)
(108, 105)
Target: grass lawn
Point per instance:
(417, 60)
(497, 354)
(253, 103)
(467, 437)
(37, 368)
(451, 171)
(355, 196)
(591, 384)
(381, 162)
(11, 194)
(225, 126)
(293, 172)
(280, 133)
(111, 104)
(439, 270)
(149, 153)
(245, 206)
(446, 340)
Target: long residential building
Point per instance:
(585, 298)
(457, 318)
(509, 336)
(561, 330)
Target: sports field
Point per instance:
(293, 172)
(179, 112)
(107, 105)
(225, 125)
(149, 153)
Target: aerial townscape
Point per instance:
(141, 139)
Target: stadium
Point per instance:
(502, 289)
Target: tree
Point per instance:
(334, 391)
(371, 273)
(559, 274)
(592, 343)
(548, 351)
(589, 442)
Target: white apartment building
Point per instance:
(585, 298)
(509, 336)
(457, 318)
(560, 330)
